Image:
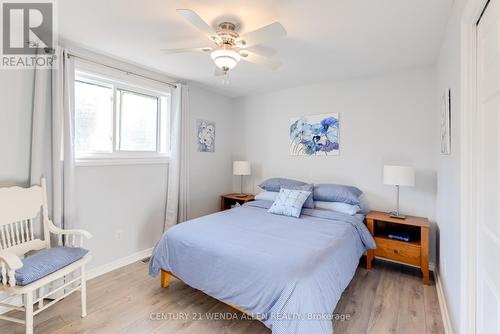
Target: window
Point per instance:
(119, 121)
(93, 118)
(138, 129)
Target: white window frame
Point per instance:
(120, 81)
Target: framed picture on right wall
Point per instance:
(446, 122)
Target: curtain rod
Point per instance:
(171, 84)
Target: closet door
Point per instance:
(488, 176)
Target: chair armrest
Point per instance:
(9, 264)
(12, 261)
(59, 231)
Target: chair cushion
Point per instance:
(47, 261)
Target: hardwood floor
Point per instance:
(388, 299)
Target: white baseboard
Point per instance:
(448, 329)
(118, 263)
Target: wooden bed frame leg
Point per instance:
(165, 279)
(369, 258)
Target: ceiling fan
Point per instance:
(230, 47)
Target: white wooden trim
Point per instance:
(85, 162)
(468, 142)
(118, 263)
(443, 306)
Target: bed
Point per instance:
(287, 272)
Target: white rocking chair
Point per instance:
(19, 209)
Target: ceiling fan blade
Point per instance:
(218, 72)
(198, 22)
(259, 60)
(272, 31)
(169, 51)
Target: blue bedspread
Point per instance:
(288, 272)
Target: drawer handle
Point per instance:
(396, 251)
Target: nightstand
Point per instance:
(414, 252)
(231, 199)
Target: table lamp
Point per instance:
(241, 168)
(399, 176)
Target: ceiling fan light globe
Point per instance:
(225, 59)
(225, 63)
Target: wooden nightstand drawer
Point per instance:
(398, 251)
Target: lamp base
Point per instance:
(396, 215)
(240, 195)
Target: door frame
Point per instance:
(469, 140)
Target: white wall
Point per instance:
(16, 90)
(122, 206)
(209, 173)
(448, 190)
(383, 120)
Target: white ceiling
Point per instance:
(328, 40)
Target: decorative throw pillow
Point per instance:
(308, 187)
(275, 183)
(289, 202)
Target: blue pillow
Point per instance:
(308, 187)
(336, 193)
(289, 202)
(275, 184)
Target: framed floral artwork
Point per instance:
(315, 135)
(205, 135)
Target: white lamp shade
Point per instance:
(241, 168)
(399, 176)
